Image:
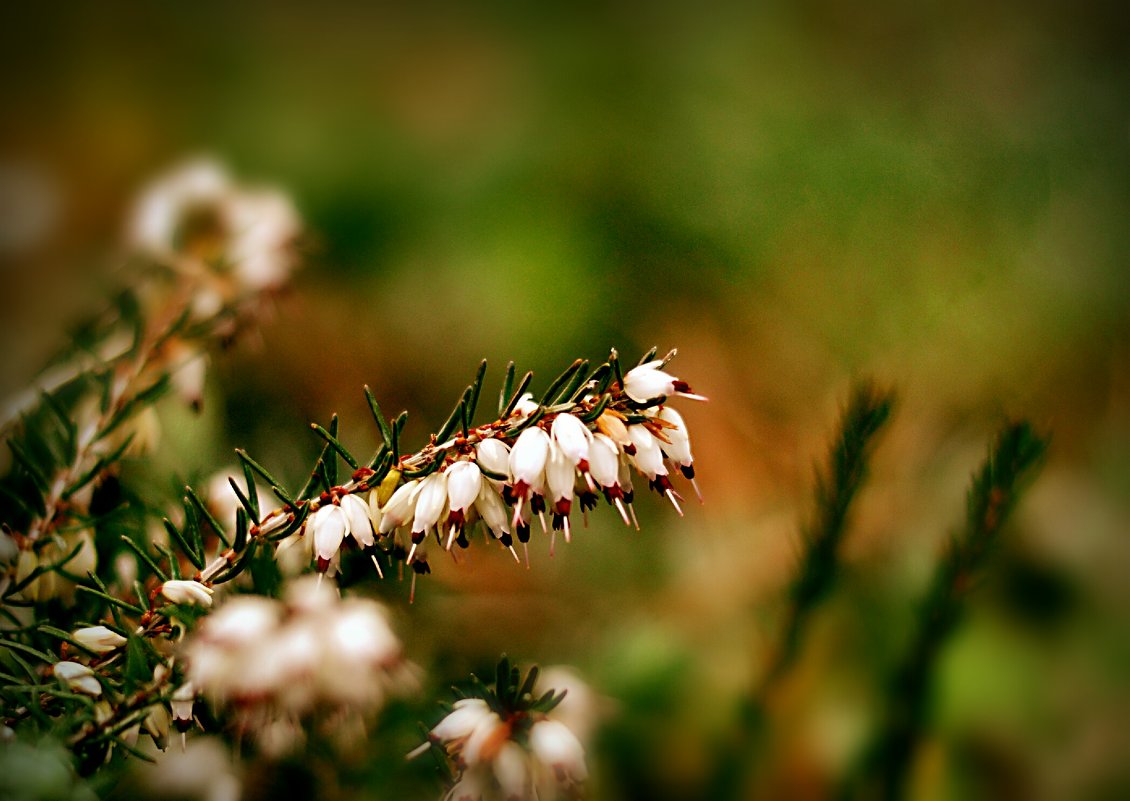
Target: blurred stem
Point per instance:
(123, 386)
(993, 494)
(837, 485)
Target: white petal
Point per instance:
(187, 592)
(554, 745)
(647, 382)
(604, 461)
(99, 639)
(330, 525)
(560, 473)
(572, 436)
(492, 509)
(528, 457)
(463, 482)
(430, 501)
(400, 506)
(648, 459)
(360, 525)
(494, 455)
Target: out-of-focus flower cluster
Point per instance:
(233, 239)
(534, 462)
(311, 657)
(210, 249)
(510, 742)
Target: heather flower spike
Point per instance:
(581, 440)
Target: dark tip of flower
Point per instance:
(323, 564)
(182, 725)
(418, 537)
(687, 470)
(456, 518)
(524, 532)
(508, 494)
(629, 496)
(462, 540)
(537, 503)
(559, 520)
(660, 484)
(629, 449)
(506, 540)
(420, 566)
(681, 386)
(587, 500)
(562, 506)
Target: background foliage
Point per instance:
(794, 194)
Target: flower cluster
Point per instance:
(276, 664)
(233, 239)
(533, 462)
(505, 743)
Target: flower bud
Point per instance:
(494, 455)
(79, 678)
(187, 592)
(99, 639)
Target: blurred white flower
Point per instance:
(235, 239)
(310, 655)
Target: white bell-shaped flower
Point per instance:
(555, 746)
(329, 527)
(464, 480)
(400, 507)
(360, 524)
(77, 677)
(187, 592)
(527, 460)
(648, 458)
(647, 382)
(99, 639)
(494, 455)
(573, 438)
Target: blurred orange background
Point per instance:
(794, 195)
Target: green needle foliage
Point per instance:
(837, 486)
(867, 412)
(1011, 464)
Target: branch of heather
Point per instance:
(997, 486)
(837, 485)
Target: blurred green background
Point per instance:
(794, 194)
